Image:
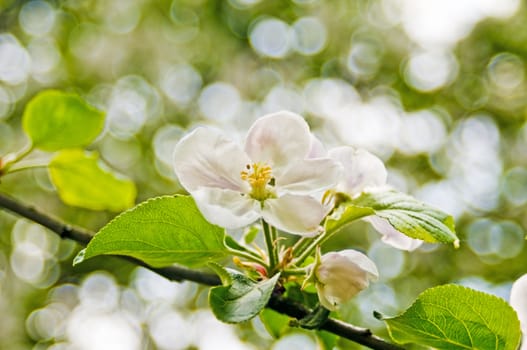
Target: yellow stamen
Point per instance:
(258, 175)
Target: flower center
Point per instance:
(259, 175)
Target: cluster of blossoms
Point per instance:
(284, 176)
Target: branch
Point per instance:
(278, 303)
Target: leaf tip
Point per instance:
(456, 244)
(80, 257)
(378, 315)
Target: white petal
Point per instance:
(361, 168)
(317, 149)
(205, 158)
(393, 237)
(226, 208)
(518, 301)
(307, 176)
(362, 261)
(300, 215)
(278, 138)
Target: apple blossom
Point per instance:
(363, 171)
(339, 276)
(518, 301)
(272, 178)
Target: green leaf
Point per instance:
(455, 317)
(346, 213)
(410, 216)
(161, 231)
(81, 182)
(56, 120)
(241, 300)
(276, 323)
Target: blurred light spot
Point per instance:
(37, 18)
(25, 231)
(185, 22)
(478, 283)
(122, 154)
(7, 136)
(443, 195)
(7, 105)
(389, 260)
(45, 55)
(506, 71)
(309, 36)
(515, 186)
(326, 97)
(66, 294)
(15, 62)
(132, 103)
(428, 71)
(443, 23)
(282, 98)
(378, 296)
(132, 304)
(153, 287)
(87, 330)
(243, 3)
(365, 58)
(181, 84)
(219, 101)
(271, 37)
(421, 132)
(99, 292)
(121, 17)
(27, 262)
(171, 332)
(500, 239)
(87, 42)
(295, 341)
(163, 144)
(48, 322)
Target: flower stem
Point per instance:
(247, 256)
(15, 168)
(270, 241)
(301, 245)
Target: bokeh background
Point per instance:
(437, 89)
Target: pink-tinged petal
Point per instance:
(518, 301)
(278, 138)
(361, 168)
(299, 215)
(226, 208)
(205, 158)
(307, 176)
(393, 237)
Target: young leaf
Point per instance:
(81, 182)
(56, 120)
(241, 300)
(345, 214)
(455, 317)
(161, 231)
(410, 216)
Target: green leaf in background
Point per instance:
(241, 300)
(56, 120)
(161, 231)
(410, 216)
(81, 182)
(455, 317)
(276, 323)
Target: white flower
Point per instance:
(363, 171)
(273, 177)
(518, 301)
(339, 276)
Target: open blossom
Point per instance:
(272, 177)
(362, 171)
(339, 276)
(518, 301)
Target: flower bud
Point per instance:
(339, 276)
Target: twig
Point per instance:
(278, 303)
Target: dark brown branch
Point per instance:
(278, 303)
